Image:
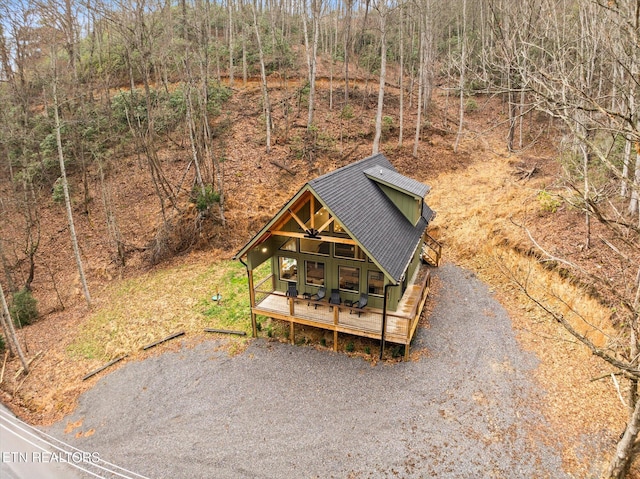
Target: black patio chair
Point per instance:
(361, 303)
(335, 298)
(292, 291)
(319, 296)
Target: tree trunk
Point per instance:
(421, 69)
(11, 337)
(263, 76)
(231, 67)
(383, 76)
(621, 461)
(7, 270)
(463, 60)
(313, 67)
(65, 188)
(401, 113)
(347, 41)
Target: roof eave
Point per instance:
(265, 229)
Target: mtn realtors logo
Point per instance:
(45, 457)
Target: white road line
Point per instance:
(69, 452)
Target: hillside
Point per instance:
(479, 193)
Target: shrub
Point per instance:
(24, 308)
(58, 191)
(204, 201)
(347, 112)
(350, 347)
(548, 202)
(471, 105)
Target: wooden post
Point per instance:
(336, 314)
(292, 331)
(252, 302)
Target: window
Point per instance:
(314, 246)
(315, 273)
(321, 217)
(349, 251)
(288, 269)
(290, 245)
(349, 278)
(375, 283)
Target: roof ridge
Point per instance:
(346, 167)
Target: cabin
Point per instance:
(349, 252)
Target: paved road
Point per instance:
(25, 455)
(468, 408)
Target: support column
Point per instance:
(252, 302)
(292, 330)
(336, 315)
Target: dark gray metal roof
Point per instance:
(427, 213)
(366, 212)
(398, 181)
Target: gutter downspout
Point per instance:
(384, 316)
(254, 326)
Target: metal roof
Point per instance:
(366, 212)
(396, 180)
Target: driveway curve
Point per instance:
(467, 408)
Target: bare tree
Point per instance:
(10, 332)
(65, 185)
(381, 7)
(316, 7)
(462, 39)
(263, 75)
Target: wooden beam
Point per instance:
(102, 368)
(295, 207)
(298, 220)
(312, 209)
(329, 221)
(328, 239)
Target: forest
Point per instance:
(135, 133)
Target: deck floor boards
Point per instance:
(368, 324)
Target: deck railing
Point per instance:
(366, 322)
(414, 315)
(432, 250)
(262, 291)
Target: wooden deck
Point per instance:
(400, 324)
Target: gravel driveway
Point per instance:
(466, 409)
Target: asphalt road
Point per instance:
(467, 408)
(25, 454)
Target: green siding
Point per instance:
(415, 262)
(410, 206)
(261, 253)
(331, 277)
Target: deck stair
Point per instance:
(431, 250)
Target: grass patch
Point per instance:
(482, 207)
(141, 310)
